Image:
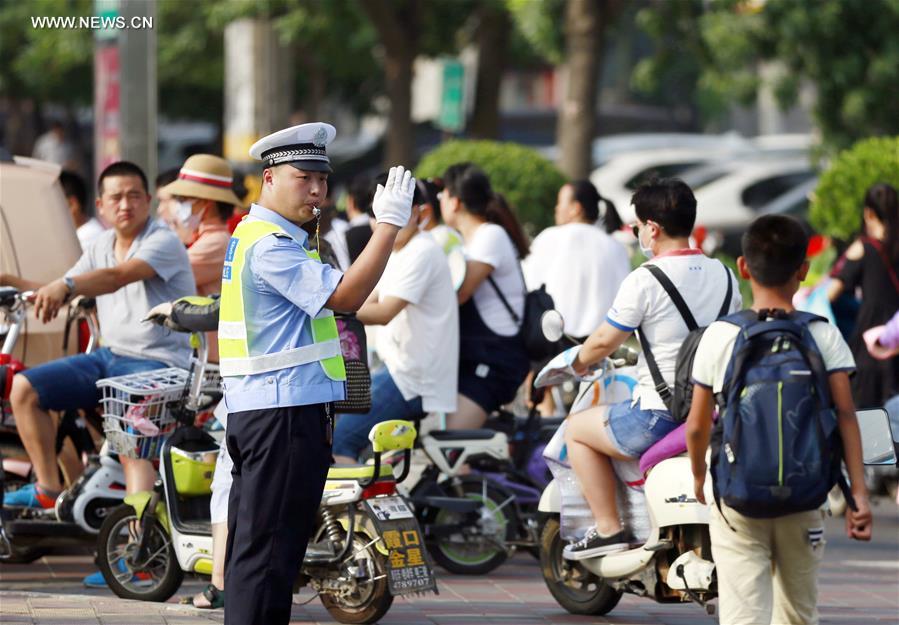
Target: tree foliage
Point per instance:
(836, 207)
(57, 64)
(528, 181)
(49, 64)
(539, 22)
(846, 48)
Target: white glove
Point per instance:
(393, 201)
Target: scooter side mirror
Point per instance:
(878, 444)
(553, 325)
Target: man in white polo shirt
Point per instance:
(419, 343)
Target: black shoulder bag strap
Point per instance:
(661, 386)
(505, 302)
(725, 306)
(675, 296)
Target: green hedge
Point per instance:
(528, 181)
(836, 206)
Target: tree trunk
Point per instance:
(493, 43)
(577, 114)
(397, 28)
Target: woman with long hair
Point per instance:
(872, 266)
(492, 359)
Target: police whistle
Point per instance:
(316, 211)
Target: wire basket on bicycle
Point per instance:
(139, 410)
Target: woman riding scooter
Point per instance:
(666, 211)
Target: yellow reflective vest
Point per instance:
(234, 351)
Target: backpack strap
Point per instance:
(725, 306)
(502, 298)
(675, 296)
(661, 386)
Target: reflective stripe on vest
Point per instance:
(234, 352)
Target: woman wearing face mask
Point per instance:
(203, 201)
(666, 211)
(492, 359)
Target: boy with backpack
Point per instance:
(787, 420)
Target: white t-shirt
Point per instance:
(420, 346)
(717, 345)
(89, 231)
(491, 245)
(582, 268)
(642, 301)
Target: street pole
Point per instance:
(258, 85)
(125, 89)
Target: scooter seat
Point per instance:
(358, 472)
(462, 435)
(674, 444)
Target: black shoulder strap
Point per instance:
(503, 299)
(661, 385)
(725, 307)
(675, 296)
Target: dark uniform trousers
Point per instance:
(281, 459)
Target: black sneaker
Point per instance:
(593, 545)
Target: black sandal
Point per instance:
(213, 595)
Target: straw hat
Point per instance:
(206, 177)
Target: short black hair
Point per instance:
(239, 186)
(774, 247)
(362, 190)
(74, 186)
(167, 177)
(428, 190)
(225, 210)
(122, 168)
(669, 202)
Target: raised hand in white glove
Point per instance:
(393, 201)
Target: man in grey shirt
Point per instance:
(130, 268)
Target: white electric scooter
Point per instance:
(674, 563)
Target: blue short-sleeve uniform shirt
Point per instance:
(282, 290)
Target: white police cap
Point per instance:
(301, 146)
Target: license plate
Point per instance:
(389, 508)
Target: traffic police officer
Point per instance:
(281, 363)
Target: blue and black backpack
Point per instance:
(776, 448)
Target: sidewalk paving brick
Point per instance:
(859, 585)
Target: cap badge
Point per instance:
(320, 138)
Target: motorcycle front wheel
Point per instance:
(478, 549)
(157, 579)
(576, 589)
(370, 598)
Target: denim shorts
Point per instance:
(71, 382)
(633, 430)
(351, 431)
